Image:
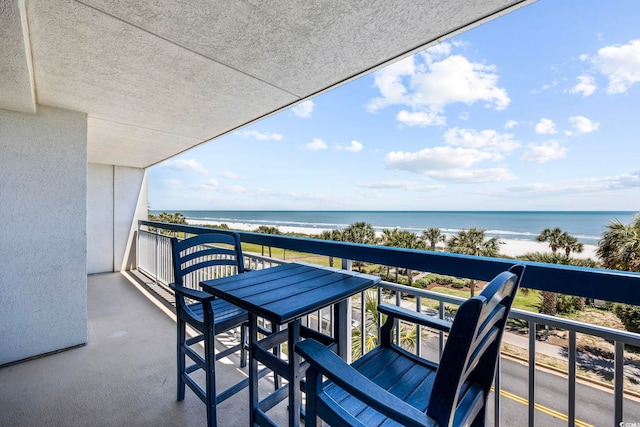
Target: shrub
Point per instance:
(629, 315)
(565, 304)
(459, 283)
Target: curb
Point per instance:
(583, 379)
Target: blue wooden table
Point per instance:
(283, 295)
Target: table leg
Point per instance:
(342, 328)
(295, 394)
(253, 369)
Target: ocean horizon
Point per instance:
(586, 226)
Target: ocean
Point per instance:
(586, 226)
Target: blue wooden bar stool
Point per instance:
(204, 257)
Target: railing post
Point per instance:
(138, 247)
(571, 416)
(496, 394)
(440, 333)
(418, 327)
(532, 373)
(618, 382)
(342, 318)
(156, 258)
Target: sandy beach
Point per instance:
(510, 247)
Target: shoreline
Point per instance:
(510, 247)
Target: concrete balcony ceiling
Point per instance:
(157, 77)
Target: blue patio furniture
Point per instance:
(392, 386)
(206, 256)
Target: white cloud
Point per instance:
(426, 83)
(550, 150)
(387, 184)
(399, 185)
(487, 139)
(209, 185)
(421, 118)
(545, 127)
(185, 165)
(354, 147)
(621, 65)
(173, 184)
(260, 136)
(583, 125)
(229, 175)
(510, 124)
(436, 52)
(473, 175)
(389, 83)
(586, 85)
(304, 109)
(316, 144)
(548, 86)
(455, 79)
(437, 158)
(592, 185)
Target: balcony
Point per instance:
(125, 374)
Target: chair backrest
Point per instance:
(468, 363)
(206, 256)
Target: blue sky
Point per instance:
(537, 110)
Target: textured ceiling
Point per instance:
(158, 77)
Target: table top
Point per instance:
(289, 291)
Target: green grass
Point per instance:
(525, 300)
(288, 255)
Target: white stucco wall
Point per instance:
(130, 205)
(117, 199)
(43, 243)
(100, 219)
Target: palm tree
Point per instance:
(359, 232)
(402, 239)
(552, 236)
(387, 239)
(619, 247)
(570, 244)
(474, 242)
(433, 236)
(408, 240)
(408, 334)
(265, 229)
(174, 218)
(334, 235)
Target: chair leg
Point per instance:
(276, 379)
(244, 345)
(314, 386)
(210, 359)
(181, 358)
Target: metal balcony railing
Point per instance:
(614, 403)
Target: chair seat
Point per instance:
(408, 378)
(227, 315)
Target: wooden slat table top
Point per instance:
(289, 291)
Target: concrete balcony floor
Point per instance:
(123, 376)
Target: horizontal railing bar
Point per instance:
(609, 334)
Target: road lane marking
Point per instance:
(541, 408)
